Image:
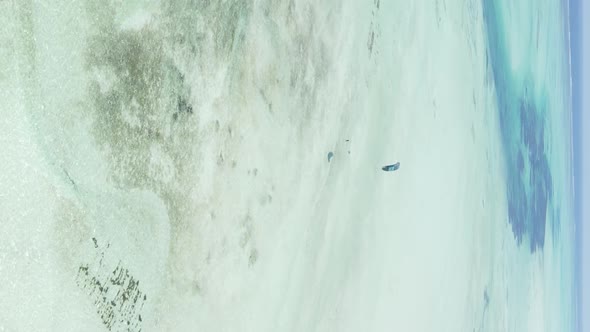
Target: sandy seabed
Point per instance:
(164, 168)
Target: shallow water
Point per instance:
(165, 166)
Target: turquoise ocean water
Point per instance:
(530, 73)
(529, 67)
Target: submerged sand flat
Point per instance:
(164, 168)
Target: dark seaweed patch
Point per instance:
(115, 294)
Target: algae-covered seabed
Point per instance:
(163, 167)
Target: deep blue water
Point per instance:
(522, 111)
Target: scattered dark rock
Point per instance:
(114, 308)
